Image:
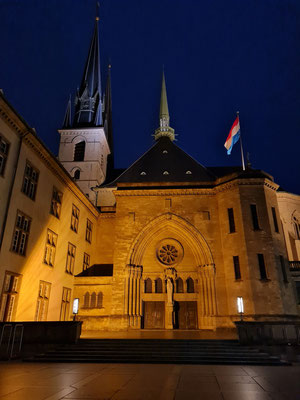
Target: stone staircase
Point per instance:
(158, 351)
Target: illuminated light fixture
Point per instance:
(75, 308)
(240, 306)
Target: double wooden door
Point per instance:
(154, 314)
(186, 314)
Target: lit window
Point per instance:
(143, 173)
(165, 152)
(65, 304)
(166, 173)
(70, 259)
(21, 233)
(56, 203)
(188, 172)
(10, 292)
(50, 248)
(86, 261)
(74, 218)
(30, 181)
(42, 301)
(89, 231)
(4, 146)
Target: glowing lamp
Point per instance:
(75, 306)
(240, 306)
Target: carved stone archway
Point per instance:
(183, 229)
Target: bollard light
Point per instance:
(75, 308)
(240, 306)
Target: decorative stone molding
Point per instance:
(169, 251)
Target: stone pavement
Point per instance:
(26, 381)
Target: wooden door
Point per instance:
(154, 314)
(187, 315)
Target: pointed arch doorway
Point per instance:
(167, 248)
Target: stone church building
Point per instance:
(165, 244)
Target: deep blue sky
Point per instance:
(219, 57)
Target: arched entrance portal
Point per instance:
(170, 280)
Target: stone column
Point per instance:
(207, 291)
(133, 295)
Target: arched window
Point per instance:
(179, 285)
(148, 285)
(190, 285)
(100, 300)
(77, 174)
(86, 300)
(93, 300)
(79, 151)
(158, 285)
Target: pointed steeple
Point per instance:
(68, 118)
(107, 114)
(164, 117)
(88, 107)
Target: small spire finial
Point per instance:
(97, 11)
(164, 117)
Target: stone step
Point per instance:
(158, 351)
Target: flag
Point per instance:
(233, 136)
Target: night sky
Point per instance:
(219, 57)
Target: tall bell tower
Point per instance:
(86, 139)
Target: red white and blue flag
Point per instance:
(233, 136)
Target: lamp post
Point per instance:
(75, 308)
(240, 306)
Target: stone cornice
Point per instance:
(198, 191)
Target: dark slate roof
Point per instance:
(165, 156)
(98, 270)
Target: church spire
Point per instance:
(88, 107)
(164, 117)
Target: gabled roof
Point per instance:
(166, 162)
(98, 270)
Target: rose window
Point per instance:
(167, 254)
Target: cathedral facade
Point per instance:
(165, 244)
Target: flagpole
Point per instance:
(241, 144)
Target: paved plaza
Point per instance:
(33, 381)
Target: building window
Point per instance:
(21, 233)
(65, 304)
(86, 261)
(254, 217)
(231, 220)
(86, 300)
(4, 146)
(89, 231)
(79, 151)
(179, 285)
(190, 285)
(100, 300)
(30, 181)
(275, 220)
(74, 218)
(56, 203)
(158, 285)
(262, 267)
(283, 270)
(77, 174)
(42, 301)
(50, 248)
(9, 296)
(237, 270)
(298, 291)
(70, 259)
(148, 285)
(297, 228)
